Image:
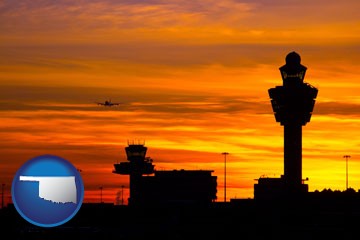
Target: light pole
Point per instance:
(2, 195)
(347, 174)
(122, 194)
(101, 188)
(225, 153)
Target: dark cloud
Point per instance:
(337, 108)
(25, 95)
(62, 16)
(17, 98)
(177, 21)
(143, 102)
(151, 56)
(78, 56)
(25, 98)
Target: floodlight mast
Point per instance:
(347, 171)
(225, 154)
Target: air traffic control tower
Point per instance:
(138, 165)
(293, 104)
(164, 187)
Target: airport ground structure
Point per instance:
(149, 187)
(321, 216)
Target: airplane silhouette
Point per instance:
(107, 103)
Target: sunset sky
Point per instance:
(192, 77)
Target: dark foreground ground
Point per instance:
(320, 218)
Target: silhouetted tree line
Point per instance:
(329, 191)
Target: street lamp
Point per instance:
(225, 153)
(122, 194)
(2, 195)
(347, 175)
(101, 188)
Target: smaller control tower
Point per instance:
(138, 165)
(164, 187)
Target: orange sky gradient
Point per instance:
(192, 77)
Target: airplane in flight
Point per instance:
(107, 103)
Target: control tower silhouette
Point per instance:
(292, 104)
(165, 187)
(138, 165)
